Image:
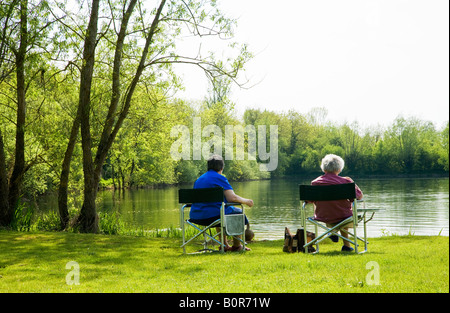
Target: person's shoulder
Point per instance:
(222, 181)
(206, 173)
(201, 181)
(347, 179)
(317, 180)
(221, 177)
(213, 173)
(202, 177)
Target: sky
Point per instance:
(362, 60)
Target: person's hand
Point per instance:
(249, 202)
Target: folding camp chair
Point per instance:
(330, 193)
(232, 225)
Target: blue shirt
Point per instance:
(210, 179)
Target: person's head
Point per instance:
(215, 162)
(332, 163)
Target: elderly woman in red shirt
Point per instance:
(333, 212)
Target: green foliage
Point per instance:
(187, 171)
(408, 146)
(22, 220)
(110, 223)
(47, 222)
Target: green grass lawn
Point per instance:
(36, 262)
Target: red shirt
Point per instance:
(337, 210)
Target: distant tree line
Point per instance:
(407, 146)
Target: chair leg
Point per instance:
(316, 229)
(335, 230)
(327, 233)
(222, 238)
(201, 231)
(183, 237)
(205, 241)
(305, 240)
(365, 233)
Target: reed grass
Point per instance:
(110, 223)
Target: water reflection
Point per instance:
(418, 206)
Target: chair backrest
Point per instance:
(200, 195)
(327, 192)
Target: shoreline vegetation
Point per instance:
(29, 217)
(430, 175)
(44, 262)
(110, 223)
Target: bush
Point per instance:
(48, 222)
(110, 223)
(187, 171)
(22, 218)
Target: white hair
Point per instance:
(332, 163)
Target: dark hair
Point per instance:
(215, 162)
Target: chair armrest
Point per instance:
(233, 203)
(364, 209)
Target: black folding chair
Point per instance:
(310, 193)
(232, 225)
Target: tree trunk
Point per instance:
(87, 220)
(5, 212)
(64, 178)
(15, 182)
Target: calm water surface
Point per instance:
(416, 206)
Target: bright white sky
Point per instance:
(364, 60)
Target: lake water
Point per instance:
(416, 206)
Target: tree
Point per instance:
(157, 54)
(19, 53)
(87, 217)
(25, 28)
(403, 139)
(444, 154)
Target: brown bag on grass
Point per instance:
(288, 238)
(295, 243)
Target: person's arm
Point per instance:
(359, 194)
(232, 197)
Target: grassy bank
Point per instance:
(36, 262)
